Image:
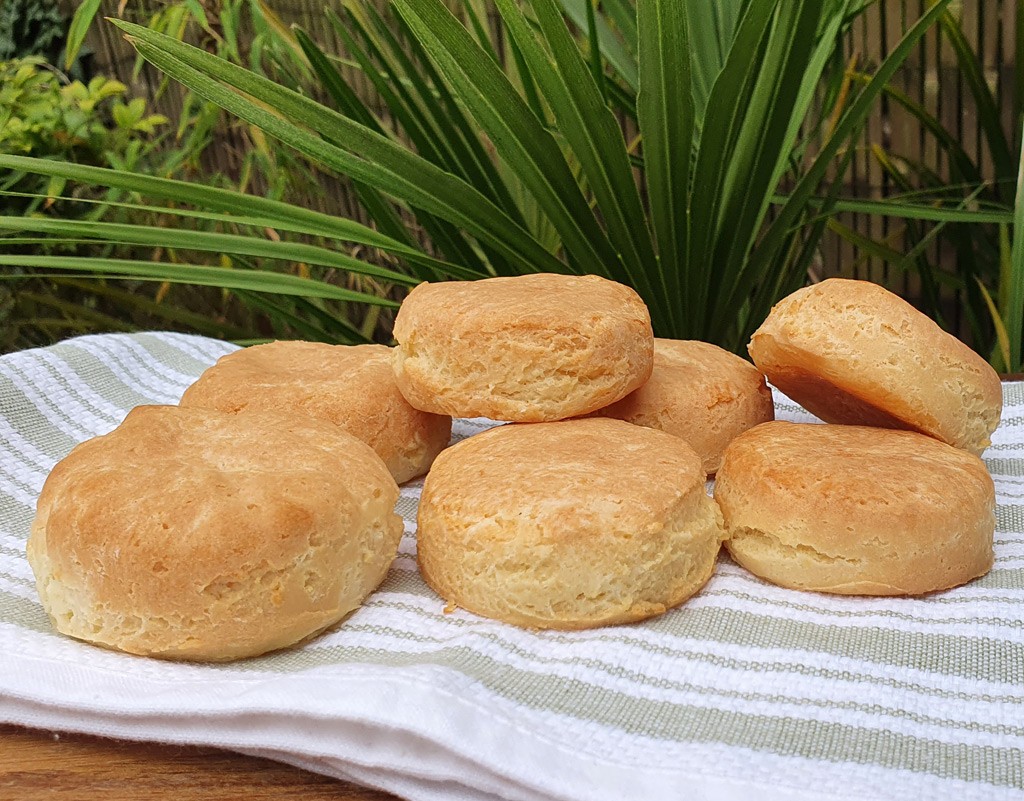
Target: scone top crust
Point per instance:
(352, 386)
(191, 533)
(308, 375)
(699, 392)
(852, 352)
(856, 509)
(567, 525)
(621, 476)
(525, 348)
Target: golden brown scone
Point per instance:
(352, 386)
(855, 510)
(701, 393)
(852, 352)
(527, 348)
(568, 525)
(195, 534)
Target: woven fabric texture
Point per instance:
(746, 691)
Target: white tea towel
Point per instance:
(746, 691)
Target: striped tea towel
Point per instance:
(747, 691)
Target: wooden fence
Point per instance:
(930, 77)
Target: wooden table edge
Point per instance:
(37, 764)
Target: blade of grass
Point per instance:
(665, 113)
(373, 159)
(518, 137)
(787, 216)
(593, 133)
(202, 275)
(1015, 307)
(177, 238)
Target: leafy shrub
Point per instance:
(43, 114)
(31, 28)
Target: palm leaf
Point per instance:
(244, 208)
(1015, 295)
(665, 114)
(769, 127)
(200, 275)
(718, 136)
(518, 137)
(851, 120)
(611, 46)
(177, 238)
(369, 157)
(593, 133)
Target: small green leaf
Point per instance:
(55, 187)
(78, 28)
(122, 116)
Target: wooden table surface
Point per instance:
(37, 765)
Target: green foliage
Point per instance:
(36, 307)
(31, 28)
(79, 28)
(44, 115)
(945, 252)
(504, 168)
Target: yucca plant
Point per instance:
(691, 150)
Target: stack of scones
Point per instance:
(260, 511)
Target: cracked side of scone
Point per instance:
(852, 352)
(352, 386)
(531, 348)
(854, 510)
(701, 393)
(191, 534)
(568, 525)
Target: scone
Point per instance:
(528, 348)
(351, 386)
(701, 393)
(567, 525)
(854, 510)
(196, 534)
(852, 352)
